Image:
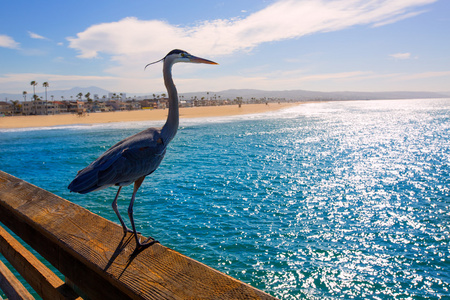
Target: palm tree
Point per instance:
(34, 84)
(89, 100)
(45, 85)
(24, 93)
(16, 105)
(88, 97)
(79, 95)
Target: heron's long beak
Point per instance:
(199, 60)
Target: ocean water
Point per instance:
(321, 201)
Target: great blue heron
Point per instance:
(132, 159)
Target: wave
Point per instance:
(283, 113)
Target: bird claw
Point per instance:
(150, 241)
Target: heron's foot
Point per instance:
(150, 241)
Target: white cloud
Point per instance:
(8, 42)
(130, 43)
(405, 55)
(133, 39)
(36, 36)
(356, 80)
(425, 75)
(398, 18)
(20, 81)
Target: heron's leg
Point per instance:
(116, 210)
(150, 240)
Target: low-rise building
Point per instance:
(133, 105)
(6, 109)
(29, 107)
(97, 106)
(75, 107)
(40, 107)
(117, 104)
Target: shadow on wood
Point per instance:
(95, 255)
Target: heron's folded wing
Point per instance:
(134, 162)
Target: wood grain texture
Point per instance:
(99, 259)
(11, 286)
(40, 278)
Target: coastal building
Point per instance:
(60, 107)
(186, 103)
(6, 109)
(117, 104)
(28, 108)
(52, 108)
(133, 105)
(75, 107)
(41, 107)
(163, 103)
(36, 107)
(149, 104)
(97, 106)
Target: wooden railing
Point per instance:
(97, 260)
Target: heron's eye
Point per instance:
(183, 55)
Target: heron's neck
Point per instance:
(169, 129)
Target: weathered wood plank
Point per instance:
(95, 255)
(40, 278)
(11, 286)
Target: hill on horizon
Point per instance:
(296, 95)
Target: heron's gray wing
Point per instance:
(136, 159)
(125, 162)
(87, 179)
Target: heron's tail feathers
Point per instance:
(85, 182)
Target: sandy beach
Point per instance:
(137, 115)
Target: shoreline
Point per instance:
(13, 122)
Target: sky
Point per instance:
(319, 45)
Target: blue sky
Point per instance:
(321, 45)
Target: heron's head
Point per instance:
(177, 55)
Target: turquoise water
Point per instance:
(326, 200)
